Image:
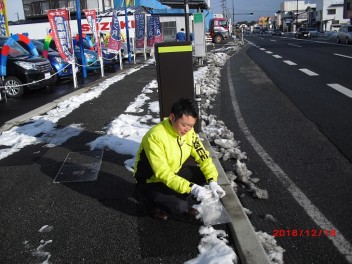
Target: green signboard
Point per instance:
(198, 18)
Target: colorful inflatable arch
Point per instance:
(46, 45)
(6, 48)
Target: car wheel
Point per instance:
(347, 41)
(217, 39)
(13, 87)
(338, 40)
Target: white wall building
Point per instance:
(292, 7)
(330, 14)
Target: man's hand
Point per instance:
(200, 192)
(218, 192)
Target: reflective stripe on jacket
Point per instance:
(162, 153)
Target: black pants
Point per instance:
(159, 195)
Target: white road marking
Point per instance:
(277, 56)
(294, 45)
(269, 52)
(308, 72)
(289, 62)
(262, 49)
(339, 240)
(341, 89)
(341, 55)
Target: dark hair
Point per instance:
(184, 106)
(182, 29)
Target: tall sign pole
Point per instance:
(233, 15)
(79, 26)
(127, 33)
(187, 20)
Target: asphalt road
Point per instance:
(295, 130)
(91, 221)
(278, 103)
(330, 63)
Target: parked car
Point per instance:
(302, 32)
(344, 34)
(276, 32)
(91, 57)
(264, 31)
(313, 32)
(23, 70)
(108, 57)
(257, 30)
(62, 68)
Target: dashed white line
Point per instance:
(269, 52)
(262, 49)
(341, 55)
(341, 89)
(308, 72)
(289, 62)
(277, 56)
(339, 241)
(294, 45)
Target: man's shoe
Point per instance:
(159, 214)
(193, 212)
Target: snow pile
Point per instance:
(275, 252)
(213, 248)
(42, 129)
(40, 253)
(224, 144)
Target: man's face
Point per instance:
(183, 124)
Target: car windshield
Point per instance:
(223, 23)
(303, 30)
(15, 50)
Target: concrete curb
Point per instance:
(249, 248)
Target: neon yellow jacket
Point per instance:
(162, 153)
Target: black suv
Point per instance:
(25, 70)
(302, 33)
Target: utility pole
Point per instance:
(224, 8)
(233, 12)
(297, 17)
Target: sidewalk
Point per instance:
(96, 221)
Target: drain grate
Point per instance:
(80, 167)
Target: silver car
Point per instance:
(345, 34)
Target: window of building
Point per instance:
(168, 30)
(331, 11)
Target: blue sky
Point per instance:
(257, 7)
